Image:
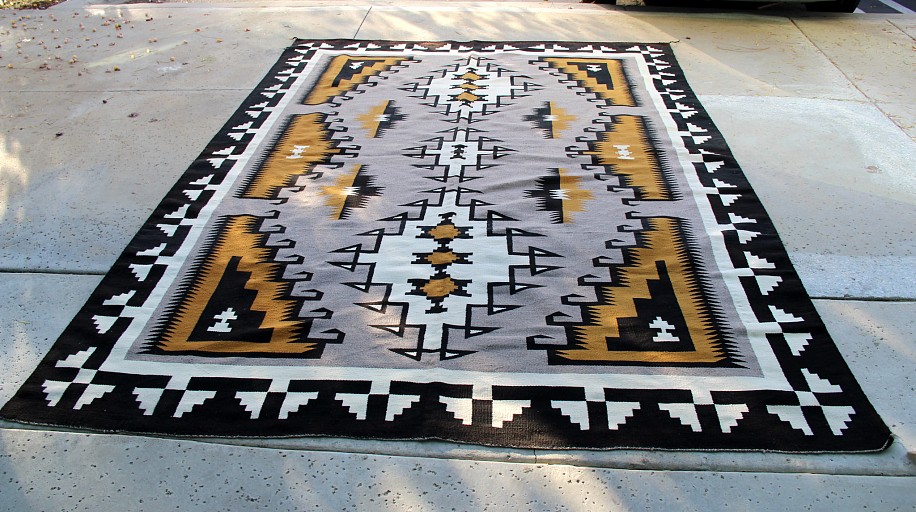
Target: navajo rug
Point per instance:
(541, 245)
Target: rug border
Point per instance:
(109, 284)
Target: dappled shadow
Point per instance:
(14, 179)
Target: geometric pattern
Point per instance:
(542, 245)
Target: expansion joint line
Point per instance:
(362, 22)
(52, 271)
(846, 75)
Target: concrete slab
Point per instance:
(902, 114)
(905, 23)
(59, 471)
(81, 171)
(720, 55)
(505, 21)
(835, 173)
(853, 46)
(38, 308)
(837, 178)
(157, 47)
(888, 80)
(878, 341)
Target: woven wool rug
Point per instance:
(541, 245)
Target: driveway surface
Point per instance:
(103, 106)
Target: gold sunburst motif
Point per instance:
(336, 195)
(371, 120)
(558, 118)
(561, 194)
(350, 190)
(552, 119)
(572, 195)
(380, 118)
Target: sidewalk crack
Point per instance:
(52, 271)
(360, 27)
(846, 75)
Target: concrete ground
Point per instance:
(102, 107)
